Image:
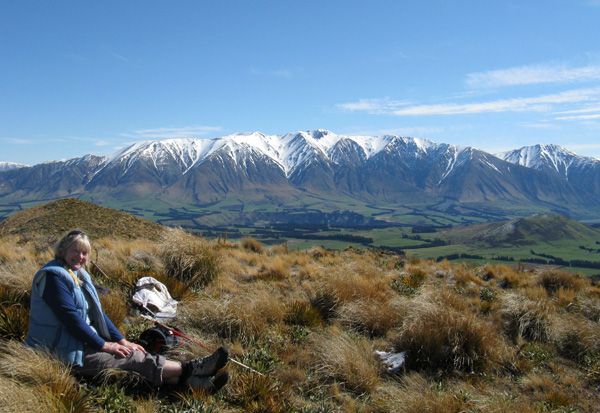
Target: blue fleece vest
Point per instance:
(47, 331)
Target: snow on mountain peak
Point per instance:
(549, 157)
(5, 166)
(290, 151)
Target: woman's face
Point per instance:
(75, 257)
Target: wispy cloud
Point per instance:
(527, 104)
(374, 106)
(120, 57)
(173, 132)
(536, 74)
(579, 117)
(586, 113)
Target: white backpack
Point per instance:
(154, 296)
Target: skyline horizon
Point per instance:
(117, 151)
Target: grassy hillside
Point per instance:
(523, 231)
(54, 218)
(480, 339)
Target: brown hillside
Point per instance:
(536, 229)
(56, 217)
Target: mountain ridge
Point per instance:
(377, 170)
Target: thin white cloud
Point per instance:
(540, 125)
(579, 117)
(120, 57)
(536, 74)
(173, 133)
(375, 106)
(529, 104)
(589, 109)
(587, 113)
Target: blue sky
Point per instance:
(80, 77)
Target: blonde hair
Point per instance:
(75, 237)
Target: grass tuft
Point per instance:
(190, 259)
(527, 319)
(347, 360)
(554, 280)
(253, 245)
(436, 338)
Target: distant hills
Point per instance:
(244, 178)
(527, 231)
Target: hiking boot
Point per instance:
(208, 384)
(209, 365)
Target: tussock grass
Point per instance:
(415, 393)
(371, 317)
(527, 318)
(275, 269)
(256, 394)
(14, 312)
(37, 382)
(303, 313)
(484, 339)
(193, 260)
(114, 304)
(555, 280)
(348, 360)
(236, 318)
(252, 244)
(578, 339)
(441, 338)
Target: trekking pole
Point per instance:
(100, 270)
(177, 333)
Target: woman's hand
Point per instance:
(132, 346)
(123, 348)
(116, 348)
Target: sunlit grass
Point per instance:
(491, 338)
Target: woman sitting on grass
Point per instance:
(66, 318)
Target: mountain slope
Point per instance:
(298, 168)
(582, 172)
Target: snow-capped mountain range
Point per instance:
(278, 169)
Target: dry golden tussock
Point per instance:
(441, 338)
(486, 339)
(252, 244)
(373, 318)
(527, 318)
(275, 268)
(236, 318)
(114, 304)
(348, 360)
(554, 280)
(37, 381)
(193, 260)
